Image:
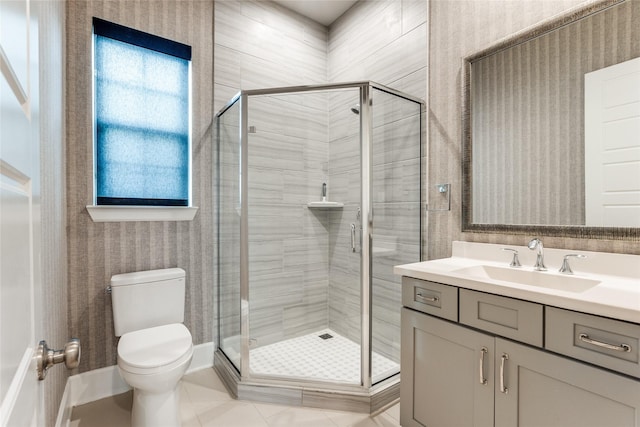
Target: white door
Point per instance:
(20, 393)
(612, 145)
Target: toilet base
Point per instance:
(156, 409)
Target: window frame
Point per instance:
(133, 209)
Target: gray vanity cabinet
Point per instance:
(453, 375)
(542, 389)
(441, 378)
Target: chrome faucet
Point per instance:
(566, 268)
(537, 244)
(515, 262)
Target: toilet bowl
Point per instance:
(155, 348)
(153, 361)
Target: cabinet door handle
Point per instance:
(483, 351)
(503, 362)
(425, 298)
(622, 347)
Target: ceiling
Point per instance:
(322, 11)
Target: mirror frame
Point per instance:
(575, 231)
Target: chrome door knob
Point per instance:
(45, 357)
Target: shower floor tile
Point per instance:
(312, 357)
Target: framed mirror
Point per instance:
(551, 128)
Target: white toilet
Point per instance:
(155, 348)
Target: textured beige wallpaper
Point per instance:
(458, 29)
(99, 250)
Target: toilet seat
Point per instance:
(154, 350)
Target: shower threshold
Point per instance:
(312, 371)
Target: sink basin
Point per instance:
(529, 278)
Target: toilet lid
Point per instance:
(154, 347)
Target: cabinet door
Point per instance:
(441, 374)
(543, 389)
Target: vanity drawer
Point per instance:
(430, 297)
(609, 343)
(510, 318)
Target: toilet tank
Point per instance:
(145, 299)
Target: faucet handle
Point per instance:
(515, 261)
(534, 243)
(566, 268)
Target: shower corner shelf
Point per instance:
(325, 205)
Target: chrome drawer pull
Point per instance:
(483, 351)
(622, 347)
(428, 299)
(503, 388)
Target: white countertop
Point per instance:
(616, 296)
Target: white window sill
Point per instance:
(141, 213)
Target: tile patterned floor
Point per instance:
(206, 403)
(309, 356)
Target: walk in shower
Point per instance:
(318, 197)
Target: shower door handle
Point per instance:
(353, 237)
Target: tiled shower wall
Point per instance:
(260, 44)
(99, 250)
(344, 179)
(292, 248)
(288, 243)
(386, 42)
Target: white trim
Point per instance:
(202, 357)
(95, 385)
(64, 411)
(19, 389)
(141, 213)
(105, 382)
(12, 79)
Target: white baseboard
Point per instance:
(105, 382)
(202, 357)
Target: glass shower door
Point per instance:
(396, 230)
(228, 210)
(345, 236)
(304, 274)
(330, 202)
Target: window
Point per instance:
(142, 118)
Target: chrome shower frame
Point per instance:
(360, 397)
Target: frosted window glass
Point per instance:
(142, 125)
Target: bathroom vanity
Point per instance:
(487, 344)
